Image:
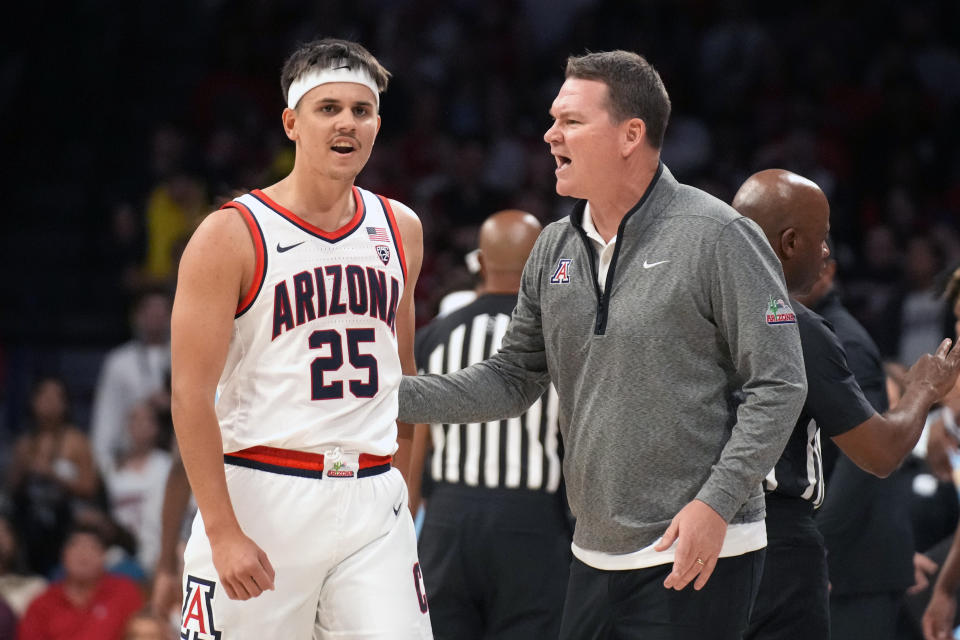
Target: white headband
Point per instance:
(317, 77)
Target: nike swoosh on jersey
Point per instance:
(648, 265)
(282, 249)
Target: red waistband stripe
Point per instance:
(299, 463)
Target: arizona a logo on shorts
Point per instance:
(384, 253)
(196, 619)
(779, 312)
(561, 275)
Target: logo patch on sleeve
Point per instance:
(196, 619)
(779, 312)
(561, 275)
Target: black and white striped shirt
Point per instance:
(517, 453)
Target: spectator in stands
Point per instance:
(121, 546)
(173, 208)
(89, 603)
(132, 372)
(915, 319)
(18, 587)
(52, 470)
(146, 626)
(135, 485)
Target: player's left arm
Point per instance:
(411, 234)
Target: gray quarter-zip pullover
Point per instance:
(682, 380)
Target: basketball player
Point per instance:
(295, 306)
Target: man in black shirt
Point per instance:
(495, 545)
(793, 599)
(865, 520)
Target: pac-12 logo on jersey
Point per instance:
(384, 253)
(196, 619)
(561, 275)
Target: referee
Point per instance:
(495, 543)
(793, 599)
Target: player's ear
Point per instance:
(379, 121)
(289, 117)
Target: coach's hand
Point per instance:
(699, 532)
(244, 569)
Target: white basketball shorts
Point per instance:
(342, 544)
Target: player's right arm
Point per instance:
(216, 268)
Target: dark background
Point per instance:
(104, 104)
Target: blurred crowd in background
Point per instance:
(126, 123)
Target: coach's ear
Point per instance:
(634, 132)
(289, 117)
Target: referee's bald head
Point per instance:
(795, 216)
(506, 240)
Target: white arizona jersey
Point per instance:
(313, 356)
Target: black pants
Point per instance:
(865, 615)
(495, 563)
(793, 599)
(634, 604)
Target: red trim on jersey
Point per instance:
(300, 222)
(300, 459)
(260, 248)
(396, 234)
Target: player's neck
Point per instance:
(324, 203)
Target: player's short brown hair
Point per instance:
(325, 53)
(636, 90)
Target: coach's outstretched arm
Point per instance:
(216, 267)
(503, 386)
